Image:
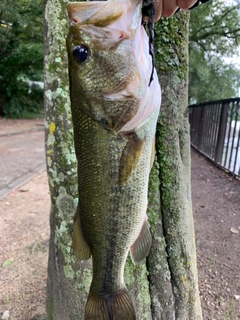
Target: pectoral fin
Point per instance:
(129, 158)
(140, 249)
(80, 247)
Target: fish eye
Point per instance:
(80, 53)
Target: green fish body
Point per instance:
(114, 114)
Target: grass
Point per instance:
(229, 311)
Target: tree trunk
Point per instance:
(172, 261)
(166, 286)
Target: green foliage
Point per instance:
(211, 78)
(21, 58)
(214, 35)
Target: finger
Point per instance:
(158, 9)
(168, 12)
(168, 8)
(186, 4)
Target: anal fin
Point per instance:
(80, 247)
(140, 249)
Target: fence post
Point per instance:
(200, 128)
(221, 133)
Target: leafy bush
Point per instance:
(21, 58)
(25, 102)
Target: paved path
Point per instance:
(21, 156)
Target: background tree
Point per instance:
(21, 57)
(165, 287)
(214, 35)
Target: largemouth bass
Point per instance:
(114, 112)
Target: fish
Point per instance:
(114, 114)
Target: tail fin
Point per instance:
(117, 306)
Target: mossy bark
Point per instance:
(66, 295)
(165, 287)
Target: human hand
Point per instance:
(165, 8)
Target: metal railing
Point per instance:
(215, 132)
